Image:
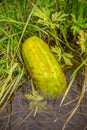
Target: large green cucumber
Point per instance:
(41, 64)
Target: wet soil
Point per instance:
(18, 116)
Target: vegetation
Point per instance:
(61, 23)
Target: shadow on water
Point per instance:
(18, 116)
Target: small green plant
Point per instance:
(67, 57)
(50, 20)
(77, 24)
(37, 102)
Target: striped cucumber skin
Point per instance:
(45, 71)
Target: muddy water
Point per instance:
(18, 116)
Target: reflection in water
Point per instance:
(18, 116)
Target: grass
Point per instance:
(63, 27)
(11, 63)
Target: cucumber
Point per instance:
(43, 68)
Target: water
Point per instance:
(18, 116)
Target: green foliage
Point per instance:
(63, 21)
(67, 57)
(57, 52)
(76, 9)
(49, 19)
(47, 4)
(11, 66)
(77, 24)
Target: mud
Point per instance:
(18, 116)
